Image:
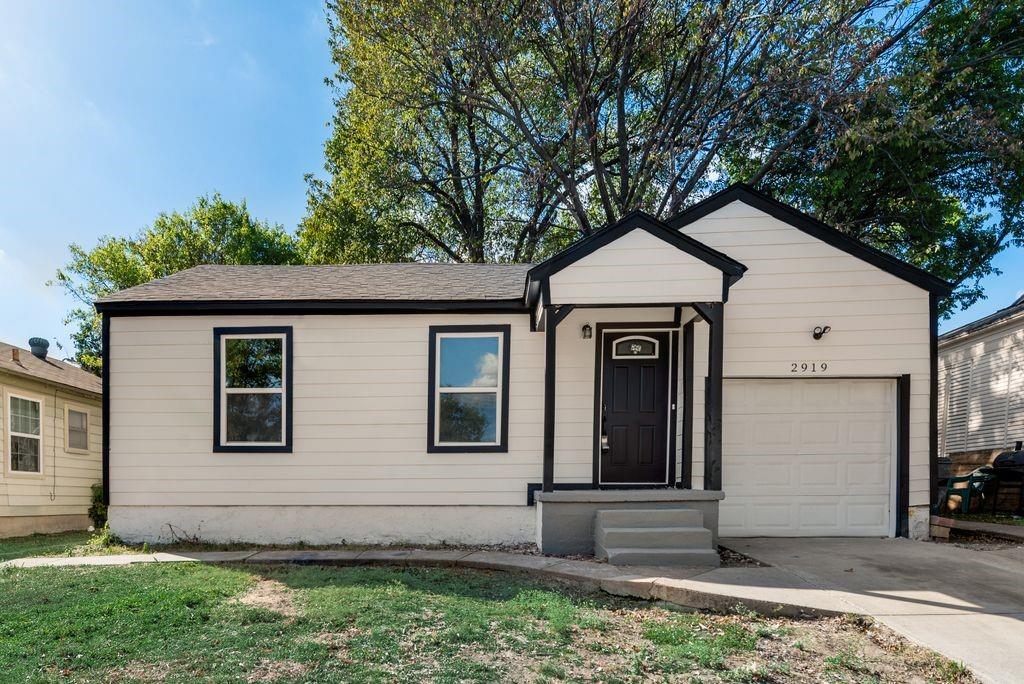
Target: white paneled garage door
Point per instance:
(807, 457)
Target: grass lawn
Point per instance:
(62, 544)
(189, 622)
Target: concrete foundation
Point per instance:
(565, 519)
(919, 518)
(482, 525)
(23, 525)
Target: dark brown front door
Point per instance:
(634, 408)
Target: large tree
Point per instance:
(494, 131)
(212, 231)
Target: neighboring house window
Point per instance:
(78, 430)
(25, 434)
(468, 401)
(252, 405)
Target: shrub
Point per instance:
(98, 508)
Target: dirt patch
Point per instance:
(139, 671)
(337, 642)
(980, 541)
(735, 559)
(274, 670)
(270, 595)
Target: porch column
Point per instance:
(713, 313)
(553, 315)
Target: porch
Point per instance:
(641, 306)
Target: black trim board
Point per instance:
(632, 221)
(933, 398)
(533, 487)
(812, 226)
(673, 397)
(686, 476)
(285, 448)
(105, 419)
(903, 456)
(505, 331)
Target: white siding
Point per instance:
(637, 268)
(981, 390)
(796, 282)
(63, 488)
(360, 415)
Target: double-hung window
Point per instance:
(468, 401)
(252, 403)
(77, 422)
(25, 421)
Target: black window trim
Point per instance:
(505, 330)
(285, 448)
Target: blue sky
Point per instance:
(111, 112)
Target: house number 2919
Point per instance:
(808, 367)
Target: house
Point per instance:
(743, 347)
(981, 388)
(51, 424)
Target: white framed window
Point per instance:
(76, 429)
(252, 410)
(468, 401)
(24, 434)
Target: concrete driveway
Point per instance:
(966, 604)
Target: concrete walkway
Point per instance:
(964, 603)
(766, 590)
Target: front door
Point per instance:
(633, 416)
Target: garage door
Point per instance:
(807, 457)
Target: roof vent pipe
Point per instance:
(38, 345)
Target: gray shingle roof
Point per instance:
(366, 282)
(982, 323)
(51, 370)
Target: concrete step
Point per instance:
(684, 557)
(654, 537)
(650, 517)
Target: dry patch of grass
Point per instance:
(140, 671)
(275, 670)
(272, 595)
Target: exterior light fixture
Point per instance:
(586, 331)
(820, 331)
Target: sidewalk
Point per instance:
(765, 590)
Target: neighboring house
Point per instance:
(51, 425)
(981, 388)
(743, 346)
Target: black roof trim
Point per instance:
(631, 221)
(263, 306)
(812, 226)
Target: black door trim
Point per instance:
(599, 331)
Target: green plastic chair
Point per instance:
(976, 482)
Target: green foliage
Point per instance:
(97, 506)
(481, 133)
(928, 166)
(211, 231)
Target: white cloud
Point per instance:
(486, 371)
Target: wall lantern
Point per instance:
(586, 332)
(820, 331)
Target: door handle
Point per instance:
(605, 445)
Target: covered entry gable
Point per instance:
(632, 262)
